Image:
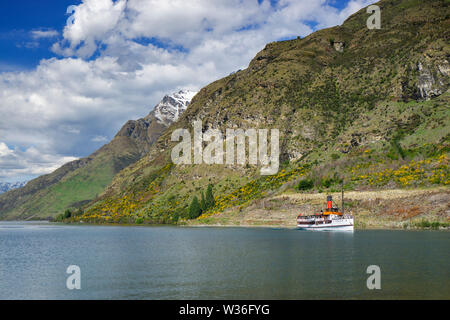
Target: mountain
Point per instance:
(368, 106)
(6, 186)
(78, 182)
(171, 107)
(148, 129)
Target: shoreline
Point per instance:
(388, 209)
(381, 227)
(193, 225)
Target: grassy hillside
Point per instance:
(375, 115)
(72, 185)
(79, 182)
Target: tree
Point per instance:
(194, 209)
(67, 214)
(203, 205)
(209, 197)
(326, 182)
(305, 184)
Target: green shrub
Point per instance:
(139, 220)
(335, 156)
(327, 182)
(67, 213)
(305, 184)
(435, 225)
(424, 224)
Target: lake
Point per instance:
(121, 262)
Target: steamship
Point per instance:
(330, 219)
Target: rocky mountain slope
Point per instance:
(148, 129)
(171, 107)
(369, 106)
(78, 182)
(6, 186)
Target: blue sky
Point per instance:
(67, 88)
(18, 19)
(18, 49)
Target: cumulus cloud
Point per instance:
(88, 24)
(31, 162)
(117, 59)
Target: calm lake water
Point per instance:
(220, 263)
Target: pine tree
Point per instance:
(194, 208)
(209, 197)
(203, 203)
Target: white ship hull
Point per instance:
(334, 225)
(329, 219)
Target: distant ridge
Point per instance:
(7, 186)
(80, 181)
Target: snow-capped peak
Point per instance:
(6, 186)
(172, 106)
(184, 96)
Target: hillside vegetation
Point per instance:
(366, 107)
(77, 183)
(375, 114)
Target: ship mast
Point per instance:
(342, 196)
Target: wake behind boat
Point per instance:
(330, 219)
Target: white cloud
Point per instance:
(89, 23)
(69, 106)
(31, 162)
(99, 139)
(38, 34)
